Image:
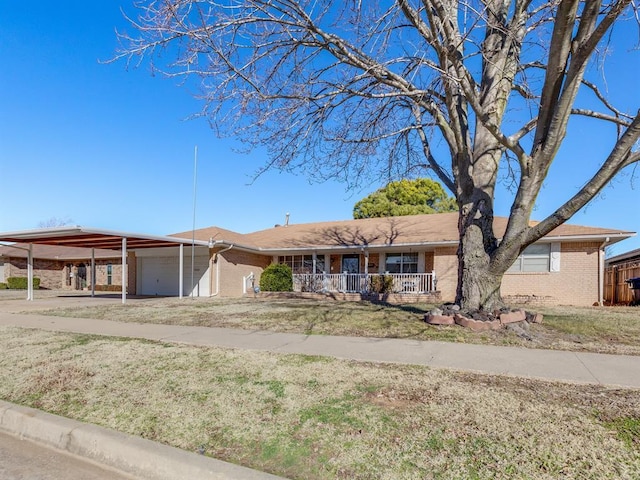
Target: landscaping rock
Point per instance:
(534, 317)
(476, 325)
(513, 317)
(432, 319)
(481, 316)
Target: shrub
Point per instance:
(20, 283)
(276, 278)
(3, 286)
(381, 283)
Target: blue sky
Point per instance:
(111, 147)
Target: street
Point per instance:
(24, 460)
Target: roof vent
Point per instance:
(286, 220)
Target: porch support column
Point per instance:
(124, 270)
(314, 261)
(30, 273)
(366, 261)
(93, 272)
(327, 263)
(180, 270)
(382, 263)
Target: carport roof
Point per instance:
(94, 238)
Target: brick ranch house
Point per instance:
(62, 268)
(418, 252)
(340, 259)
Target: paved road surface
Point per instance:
(24, 460)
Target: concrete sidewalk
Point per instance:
(609, 370)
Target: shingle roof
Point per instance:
(435, 229)
(54, 252)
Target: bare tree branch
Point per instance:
(368, 90)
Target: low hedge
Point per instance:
(3, 286)
(20, 283)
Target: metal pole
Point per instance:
(193, 229)
(124, 270)
(30, 273)
(181, 268)
(93, 272)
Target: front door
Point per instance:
(351, 263)
(81, 277)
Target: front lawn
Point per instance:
(595, 329)
(318, 418)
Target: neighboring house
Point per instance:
(62, 268)
(619, 269)
(418, 252)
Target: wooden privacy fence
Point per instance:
(616, 289)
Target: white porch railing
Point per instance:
(362, 283)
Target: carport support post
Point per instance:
(181, 276)
(93, 272)
(124, 270)
(30, 272)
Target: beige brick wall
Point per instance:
(50, 272)
(428, 262)
(132, 266)
(53, 273)
(445, 264)
(374, 263)
(575, 284)
(233, 266)
(116, 271)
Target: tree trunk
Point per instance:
(478, 282)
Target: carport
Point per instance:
(96, 238)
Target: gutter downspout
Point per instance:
(601, 272)
(218, 269)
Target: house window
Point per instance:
(402, 263)
(302, 263)
(534, 258)
(109, 273)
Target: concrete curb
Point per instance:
(131, 455)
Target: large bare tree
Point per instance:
(345, 88)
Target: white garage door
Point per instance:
(159, 276)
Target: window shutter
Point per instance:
(554, 263)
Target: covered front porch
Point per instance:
(398, 283)
(396, 274)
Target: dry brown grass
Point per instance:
(318, 418)
(595, 329)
